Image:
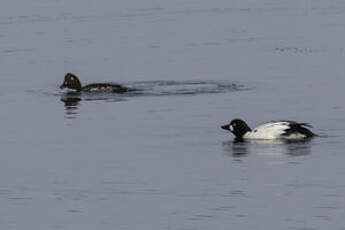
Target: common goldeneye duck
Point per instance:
(73, 84)
(290, 130)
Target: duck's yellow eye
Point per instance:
(72, 78)
(234, 124)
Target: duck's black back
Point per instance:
(106, 87)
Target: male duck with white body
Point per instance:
(288, 130)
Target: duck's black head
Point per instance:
(71, 82)
(238, 127)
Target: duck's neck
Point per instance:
(242, 130)
(76, 85)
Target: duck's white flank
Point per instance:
(272, 130)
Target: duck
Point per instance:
(283, 129)
(72, 83)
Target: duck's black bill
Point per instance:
(226, 127)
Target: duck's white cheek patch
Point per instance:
(231, 128)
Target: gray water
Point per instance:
(159, 160)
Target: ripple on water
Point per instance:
(175, 88)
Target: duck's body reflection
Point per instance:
(72, 101)
(239, 147)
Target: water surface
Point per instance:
(159, 160)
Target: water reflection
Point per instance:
(236, 148)
(71, 102)
(239, 148)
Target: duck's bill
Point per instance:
(62, 86)
(226, 127)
